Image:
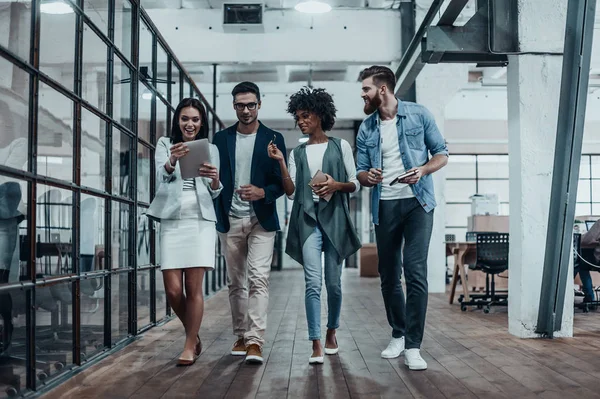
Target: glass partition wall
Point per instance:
(86, 89)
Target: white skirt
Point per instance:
(189, 241)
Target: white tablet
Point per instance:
(198, 155)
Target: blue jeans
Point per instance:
(316, 243)
(584, 274)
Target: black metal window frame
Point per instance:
(32, 283)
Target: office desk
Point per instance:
(464, 254)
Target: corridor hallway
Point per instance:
(470, 355)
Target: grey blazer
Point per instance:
(167, 202)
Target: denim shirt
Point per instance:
(417, 135)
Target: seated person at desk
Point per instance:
(589, 240)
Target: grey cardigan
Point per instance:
(167, 202)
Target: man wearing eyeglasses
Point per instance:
(247, 217)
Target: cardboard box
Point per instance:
(369, 260)
(496, 223)
(485, 204)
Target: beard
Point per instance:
(250, 120)
(372, 104)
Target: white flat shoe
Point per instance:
(331, 351)
(316, 360)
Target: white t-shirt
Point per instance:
(244, 149)
(314, 157)
(392, 163)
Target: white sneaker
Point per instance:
(394, 348)
(413, 359)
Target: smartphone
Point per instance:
(272, 140)
(403, 176)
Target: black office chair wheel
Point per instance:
(11, 392)
(486, 310)
(59, 366)
(461, 298)
(42, 376)
(463, 308)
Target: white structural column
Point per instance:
(436, 86)
(533, 98)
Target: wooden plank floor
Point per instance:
(470, 355)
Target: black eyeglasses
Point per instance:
(241, 106)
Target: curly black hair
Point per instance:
(317, 101)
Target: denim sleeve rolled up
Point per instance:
(418, 138)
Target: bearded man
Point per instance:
(398, 137)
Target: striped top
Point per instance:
(189, 184)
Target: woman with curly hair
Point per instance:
(320, 219)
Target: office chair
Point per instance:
(492, 259)
(471, 236)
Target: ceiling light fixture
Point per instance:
(313, 7)
(147, 95)
(56, 7)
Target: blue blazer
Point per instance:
(265, 173)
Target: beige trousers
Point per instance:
(248, 250)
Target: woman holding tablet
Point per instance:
(187, 218)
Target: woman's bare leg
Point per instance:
(173, 280)
(194, 306)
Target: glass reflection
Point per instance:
(120, 235)
(58, 61)
(161, 119)
(143, 238)
(121, 163)
(176, 96)
(91, 234)
(93, 149)
(53, 330)
(119, 315)
(16, 16)
(92, 258)
(54, 231)
(14, 115)
(13, 334)
(143, 298)
(144, 112)
(122, 93)
(94, 69)
(55, 134)
(13, 230)
(146, 39)
(97, 11)
(161, 298)
(123, 18)
(143, 173)
(162, 77)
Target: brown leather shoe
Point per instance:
(239, 348)
(254, 354)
